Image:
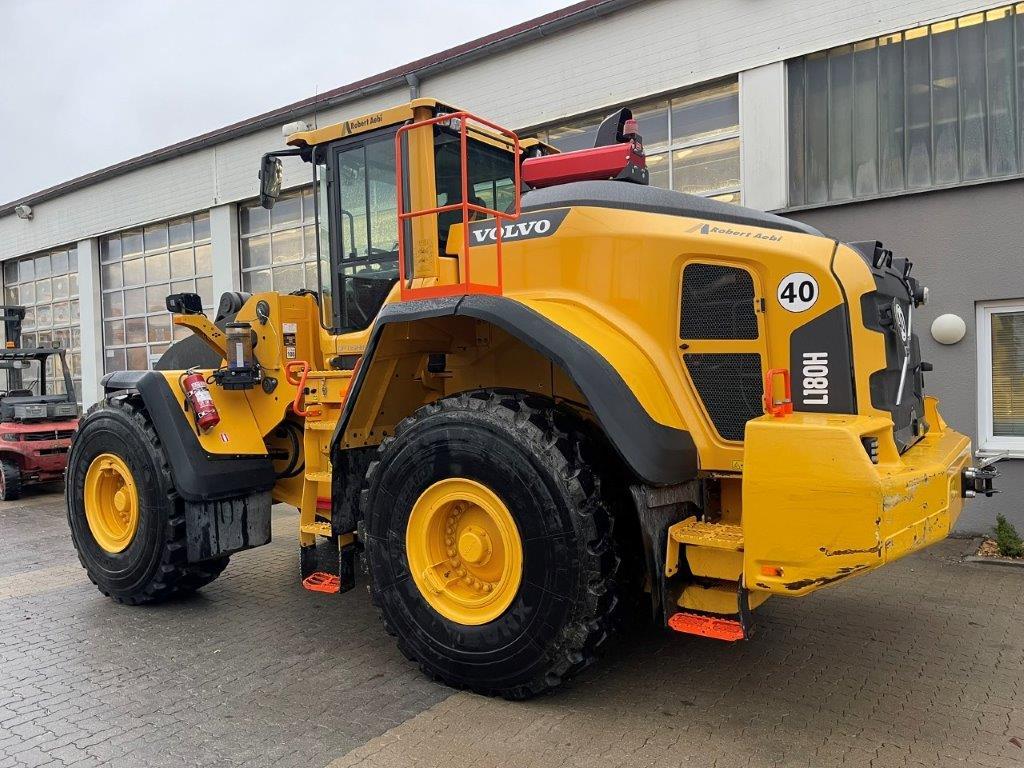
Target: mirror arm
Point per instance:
(266, 198)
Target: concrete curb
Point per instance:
(1004, 561)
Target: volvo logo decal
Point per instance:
(526, 227)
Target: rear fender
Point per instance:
(621, 398)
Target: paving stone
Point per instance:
(921, 663)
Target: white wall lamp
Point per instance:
(948, 329)
(23, 211)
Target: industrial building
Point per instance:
(901, 122)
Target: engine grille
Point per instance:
(717, 303)
(730, 386)
(59, 434)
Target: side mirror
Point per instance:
(271, 177)
(184, 304)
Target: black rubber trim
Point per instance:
(198, 475)
(657, 454)
(637, 197)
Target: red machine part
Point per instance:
(200, 400)
(611, 162)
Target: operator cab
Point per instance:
(355, 174)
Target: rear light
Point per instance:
(771, 570)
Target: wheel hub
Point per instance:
(464, 550)
(111, 502)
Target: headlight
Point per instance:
(11, 437)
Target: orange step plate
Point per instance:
(322, 582)
(707, 626)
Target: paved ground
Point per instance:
(921, 664)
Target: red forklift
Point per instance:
(36, 426)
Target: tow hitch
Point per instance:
(975, 480)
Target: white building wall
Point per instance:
(662, 45)
(653, 47)
(763, 155)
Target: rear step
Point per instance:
(322, 582)
(715, 627)
(714, 535)
(318, 562)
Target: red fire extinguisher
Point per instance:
(200, 399)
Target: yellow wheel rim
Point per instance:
(111, 502)
(464, 551)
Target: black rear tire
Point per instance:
(153, 566)
(522, 449)
(10, 481)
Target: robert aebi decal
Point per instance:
(713, 229)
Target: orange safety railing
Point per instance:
(466, 284)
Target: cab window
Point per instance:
(491, 172)
(365, 216)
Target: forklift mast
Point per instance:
(12, 318)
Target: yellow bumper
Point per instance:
(816, 509)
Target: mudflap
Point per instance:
(217, 528)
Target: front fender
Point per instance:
(198, 474)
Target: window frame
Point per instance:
(988, 442)
(333, 153)
(73, 300)
(305, 222)
(1012, 14)
(673, 145)
(166, 250)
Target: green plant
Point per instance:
(1007, 538)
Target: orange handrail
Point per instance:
(466, 285)
(771, 405)
(298, 382)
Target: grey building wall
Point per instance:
(967, 245)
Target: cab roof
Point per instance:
(397, 115)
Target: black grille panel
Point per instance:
(731, 387)
(59, 434)
(717, 303)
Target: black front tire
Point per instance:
(540, 465)
(10, 481)
(153, 566)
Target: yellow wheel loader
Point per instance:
(533, 394)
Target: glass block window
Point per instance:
(138, 269)
(47, 286)
(692, 139)
(933, 106)
(278, 247)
